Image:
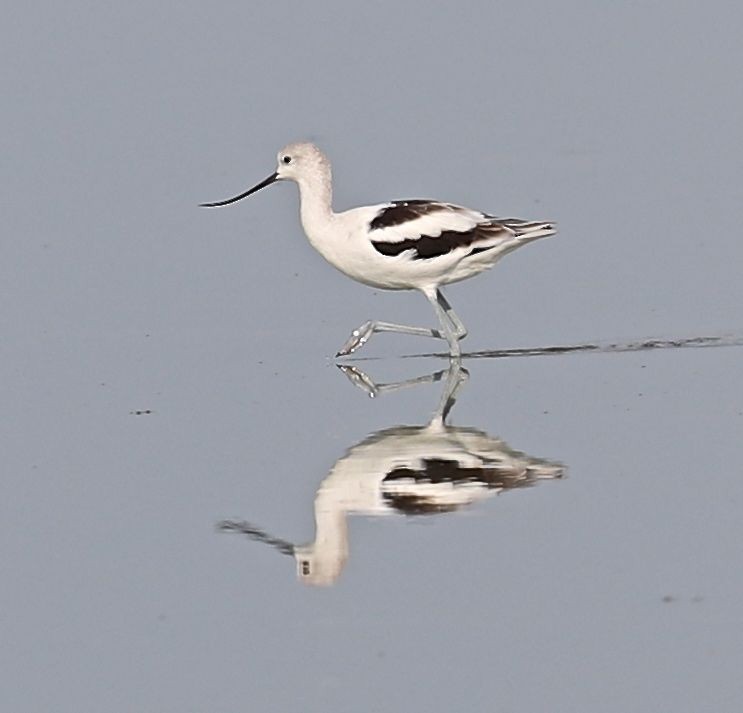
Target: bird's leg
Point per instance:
(448, 325)
(360, 336)
(459, 329)
(452, 328)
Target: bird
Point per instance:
(414, 244)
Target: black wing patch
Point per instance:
(407, 504)
(441, 470)
(403, 211)
(427, 247)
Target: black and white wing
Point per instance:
(429, 229)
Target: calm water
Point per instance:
(201, 512)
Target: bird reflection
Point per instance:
(411, 470)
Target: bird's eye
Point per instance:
(287, 159)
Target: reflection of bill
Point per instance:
(414, 470)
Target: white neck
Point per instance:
(331, 533)
(327, 554)
(316, 203)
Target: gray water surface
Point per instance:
(167, 369)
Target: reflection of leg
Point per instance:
(364, 382)
(360, 336)
(459, 329)
(456, 376)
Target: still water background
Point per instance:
(164, 368)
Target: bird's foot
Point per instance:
(358, 338)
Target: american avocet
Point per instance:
(399, 245)
(405, 470)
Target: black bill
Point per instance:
(273, 177)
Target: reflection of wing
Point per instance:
(442, 485)
(430, 469)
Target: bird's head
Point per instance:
(299, 162)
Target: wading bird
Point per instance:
(400, 245)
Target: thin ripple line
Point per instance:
(638, 345)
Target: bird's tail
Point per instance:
(527, 230)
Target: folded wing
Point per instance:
(427, 229)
